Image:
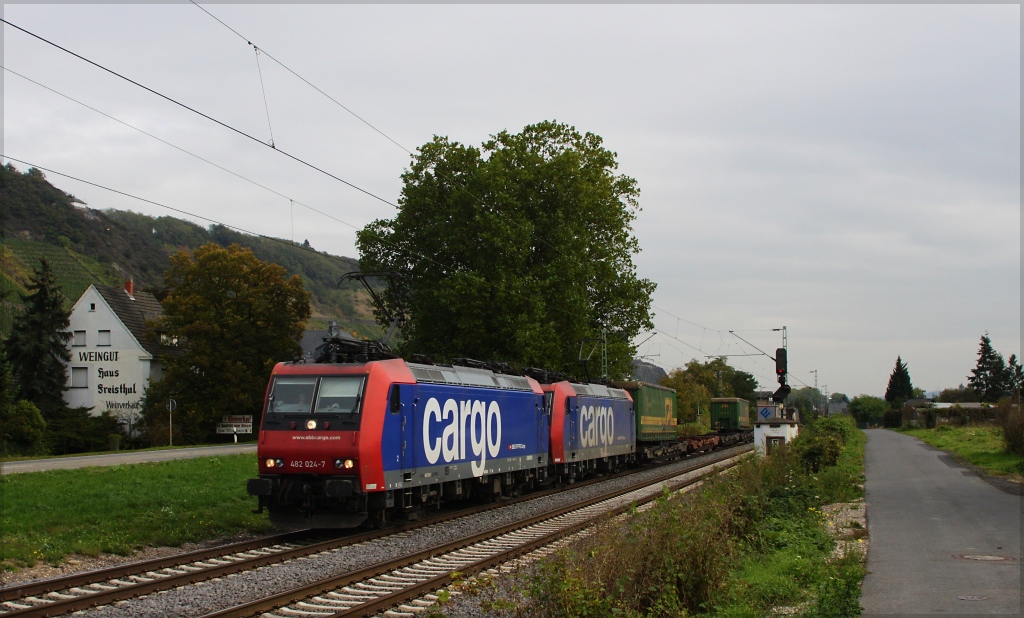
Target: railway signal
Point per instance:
(781, 367)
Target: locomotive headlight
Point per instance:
(270, 463)
(310, 424)
(279, 463)
(349, 464)
(338, 463)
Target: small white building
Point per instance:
(774, 426)
(112, 356)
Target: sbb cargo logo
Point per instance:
(483, 431)
(597, 426)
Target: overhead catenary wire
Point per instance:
(293, 201)
(303, 79)
(208, 117)
(171, 208)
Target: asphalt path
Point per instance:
(943, 541)
(126, 457)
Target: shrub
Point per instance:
(838, 426)
(75, 431)
(892, 419)
(22, 426)
(817, 450)
(929, 419)
(1013, 427)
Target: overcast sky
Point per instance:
(849, 172)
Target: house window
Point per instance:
(104, 339)
(79, 339)
(79, 377)
(92, 306)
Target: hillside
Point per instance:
(86, 245)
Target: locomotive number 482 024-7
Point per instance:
(308, 464)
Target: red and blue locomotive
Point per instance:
(363, 440)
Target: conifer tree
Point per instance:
(1016, 375)
(37, 348)
(899, 389)
(990, 378)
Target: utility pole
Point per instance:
(817, 393)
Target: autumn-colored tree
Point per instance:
(234, 317)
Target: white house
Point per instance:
(112, 357)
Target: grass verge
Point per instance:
(48, 515)
(979, 445)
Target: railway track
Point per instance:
(407, 582)
(64, 595)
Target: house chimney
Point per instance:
(129, 287)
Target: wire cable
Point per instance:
(303, 79)
(195, 111)
(264, 90)
(178, 210)
(180, 149)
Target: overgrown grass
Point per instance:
(980, 445)
(48, 515)
(741, 545)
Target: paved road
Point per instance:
(925, 513)
(127, 457)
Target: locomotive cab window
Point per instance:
(292, 394)
(339, 395)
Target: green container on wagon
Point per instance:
(655, 408)
(730, 413)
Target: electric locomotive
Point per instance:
(346, 443)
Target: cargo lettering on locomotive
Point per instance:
(597, 426)
(484, 431)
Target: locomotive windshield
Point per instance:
(336, 397)
(339, 395)
(292, 394)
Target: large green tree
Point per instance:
(899, 390)
(514, 251)
(235, 317)
(38, 346)
(990, 378)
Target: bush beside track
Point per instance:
(745, 544)
(48, 515)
